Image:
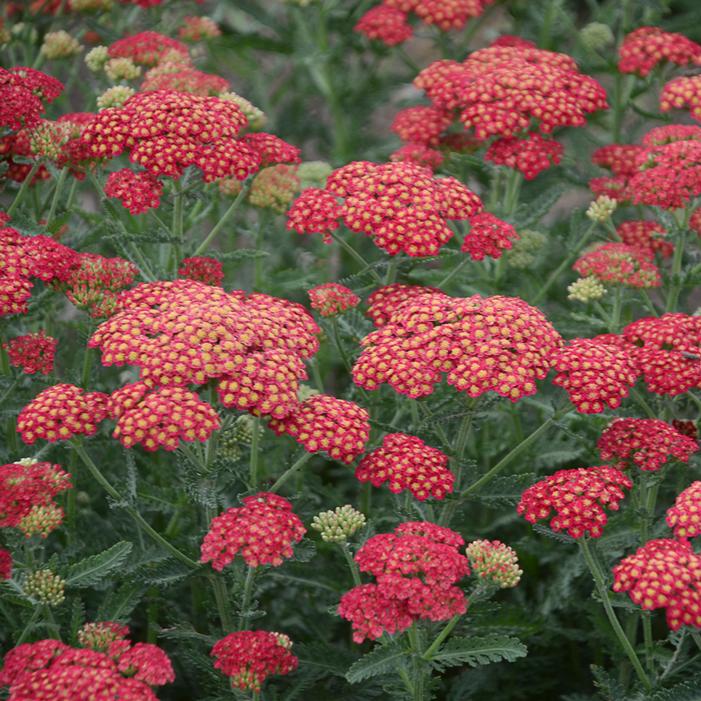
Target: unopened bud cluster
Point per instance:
(338, 525)
(96, 58)
(60, 45)
(122, 69)
(596, 36)
(45, 586)
(586, 289)
(601, 209)
(256, 117)
(41, 520)
(495, 562)
(522, 253)
(114, 97)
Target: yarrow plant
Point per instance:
(462, 433)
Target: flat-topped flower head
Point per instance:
(595, 372)
(331, 299)
(666, 351)
(644, 443)
(146, 48)
(406, 462)
(577, 497)
(60, 412)
(400, 205)
(646, 234)
(27, 491)
(647, 47)
(186, 332)
(619, 264)
(325, 424)
(48, 670)
(33, 352)
(23, 92)
(161, 418)
(663, 574)
(263, 530)
(166, 131)
(683, 92)
(249, 657)
(488, 236)
(386, 24)
(138, 192)
(203, 269)
(530, 156)
(684, 518)
(416, 570)
(492, 344)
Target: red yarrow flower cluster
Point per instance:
(94, 286)
(595, 372)
(388, 21)
(685, 516)
(667, 351)
(683, 92)
(196, 28)
(488, 236)
(33, 352)
(419, 154)
(49, 669)
(663, 574)
(331, 299)
(645, 234)
(162, 418)
(61, 412)
(645, 443)
(646, 47)
(99, 635)
(203, 269)
(185, 332)
(249, 657)
(492, 344)
(530, 156)
(147, 48)
(263, 530)
(26, 257)
(383, 302)
(622, 161)
(183, 77)
(23, 92)
(401, 206)
(577, 497)
(322, 423)
(416, 569)
(619, 264)
(27, 487)
(406, 462)
(138, 192)
(167, 131)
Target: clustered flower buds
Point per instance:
(45, 586)
(338, 525)
(331, 299)
(586, 289)
(494, 562)
(601, 209)
(60, 44)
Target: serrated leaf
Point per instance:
(119, 604)
(382, 660)
(92, 570)
(531, 214)
(478, 651)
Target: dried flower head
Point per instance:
(249, 657)
(665, 574)
(338, 525)
(406, 462)
(578, 498)
(263, 530)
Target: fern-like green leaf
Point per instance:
(382, 660)
(476, 651)
(92, 570)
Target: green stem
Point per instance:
(456, 269)
(87, 368)
(566, 262)
(352, 565)
(642, 403)
(513, 187)
(246, 600)
(337, 340)
(178, 221)
(353, 253)
(290, 471)
(254, 461)
(222, 599)
(32, 620)
(415, 641)
(600, 583)
(435, 645)
(675, 281)
(141, 522)
(23, 188)
(220, 224)
(530, 438)
(649, 499)
(392, 268)
(57, 194)
(616, 309)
